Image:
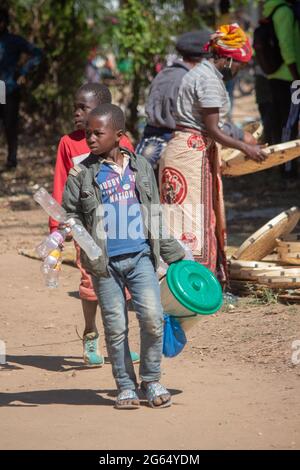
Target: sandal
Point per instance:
(153, 390)
(125, 396)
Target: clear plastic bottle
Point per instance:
(53, 258)
(51, 268)
(84, 240)
(52, 242)
(50, 205)
(230, 301)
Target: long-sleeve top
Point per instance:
(72, 150)
(11, 49)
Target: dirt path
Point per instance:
(233, 386)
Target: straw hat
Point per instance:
(263, 242)
(236, 163)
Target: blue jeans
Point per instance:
(136, 272)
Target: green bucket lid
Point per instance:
(195, 287)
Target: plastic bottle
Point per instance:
(50, 205)
(230, 301)
(53, 258)
(84, 240)
(51, 268)
(52, 242)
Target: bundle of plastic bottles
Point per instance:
(50, 249)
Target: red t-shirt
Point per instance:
(72, 150)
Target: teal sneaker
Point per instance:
(91, 355)
(135, 357)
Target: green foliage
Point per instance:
(61, 28)
(140, 36)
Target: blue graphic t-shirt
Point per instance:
(123, 221)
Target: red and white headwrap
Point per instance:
(230, 41)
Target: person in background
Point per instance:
(264, 102)
(226, 16)
(190, 175)
(161, 103)
(92, 73)
(12, 47)
(287, 30)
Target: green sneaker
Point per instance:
(91, 355)
(135, 357)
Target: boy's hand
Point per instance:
(69, 237)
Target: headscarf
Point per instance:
(230, 41)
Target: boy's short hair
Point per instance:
(116, 114)
(101, 92)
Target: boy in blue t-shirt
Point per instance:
(110, 196)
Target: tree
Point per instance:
(61, 28)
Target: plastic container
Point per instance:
(52, 242)
(50, 205)
(84, 240)
(53, 258)
(51, 268)
(189, 292)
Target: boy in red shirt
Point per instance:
(73, 149)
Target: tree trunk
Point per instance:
(133, 105)
(190, 6)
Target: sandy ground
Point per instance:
(234, 386)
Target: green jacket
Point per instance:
(82, 201)
(287, 30)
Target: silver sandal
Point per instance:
(124, 396)
(154, 390)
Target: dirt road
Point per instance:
(233, 387)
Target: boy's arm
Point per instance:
(62, 168)
(71, 198)
(170, 249)
(31, 50)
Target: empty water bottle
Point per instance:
(53, 259)
(84, 240)
(51, 268)
(50, 205)
(52, 242)
(230, 301)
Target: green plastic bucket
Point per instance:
(189, 291)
